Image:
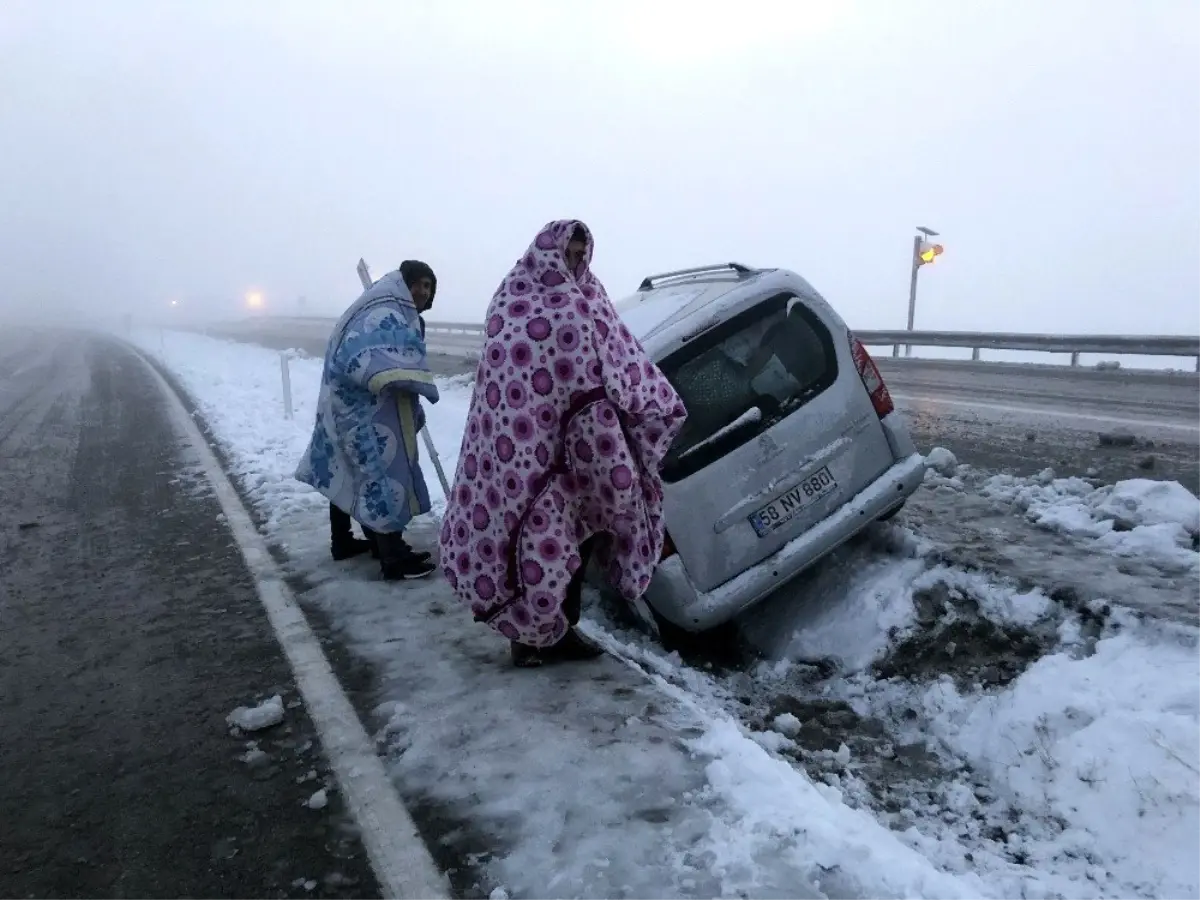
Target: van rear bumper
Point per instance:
(671, 592)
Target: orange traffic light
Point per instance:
(929, 252)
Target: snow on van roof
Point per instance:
(646, 311)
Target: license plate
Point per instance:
(782, 510)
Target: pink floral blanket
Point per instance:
(568, 426)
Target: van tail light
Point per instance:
(668, 547)
(871, 379)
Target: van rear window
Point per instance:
(744, 376)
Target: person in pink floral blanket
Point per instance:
(568, 426)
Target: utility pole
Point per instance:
(912, 283)
(923, 253)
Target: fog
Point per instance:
(166, 159)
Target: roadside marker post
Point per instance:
(286, 373)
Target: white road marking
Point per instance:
(401, 861)
(1060, 414)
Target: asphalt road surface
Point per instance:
(1003, 417)
(129, 629)
(1108, 425)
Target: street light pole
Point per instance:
(917, 262)
(912, 289)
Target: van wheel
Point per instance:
(891, 513)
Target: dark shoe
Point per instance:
(396, 546)
(526, 657)
(407, 568)
(348, 548)
(420, 555)
(573, 647)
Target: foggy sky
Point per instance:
(164, 150)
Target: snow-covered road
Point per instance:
(924, 715)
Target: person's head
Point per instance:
(562, 244)
(576, 252)
(421, 281)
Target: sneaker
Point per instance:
(407, 568)
(422, 555)
(349, 548)
(406, 549)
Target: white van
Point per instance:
(791, 445)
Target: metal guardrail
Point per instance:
(976, 341)
(1112, 345)
(1074, 344)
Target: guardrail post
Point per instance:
(1075, 358)
(975, 354)
(286, 372)
(896, 350)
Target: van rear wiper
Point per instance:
(780, 411)
(752, 416)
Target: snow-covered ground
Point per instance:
(916, 729)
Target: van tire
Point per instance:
(721, 644)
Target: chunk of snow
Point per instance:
(941, 461)
(786, 723)
(319, 800)
(498, 893)
(1144, 501)
(253, 757)
(773, 741)
(255, 718)
(1165, 539)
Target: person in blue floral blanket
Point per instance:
(363, 453)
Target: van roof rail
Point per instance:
(742, 271)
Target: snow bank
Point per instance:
(1087, 763)
(1100, 754)
(1139, 517)
(784, 820)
